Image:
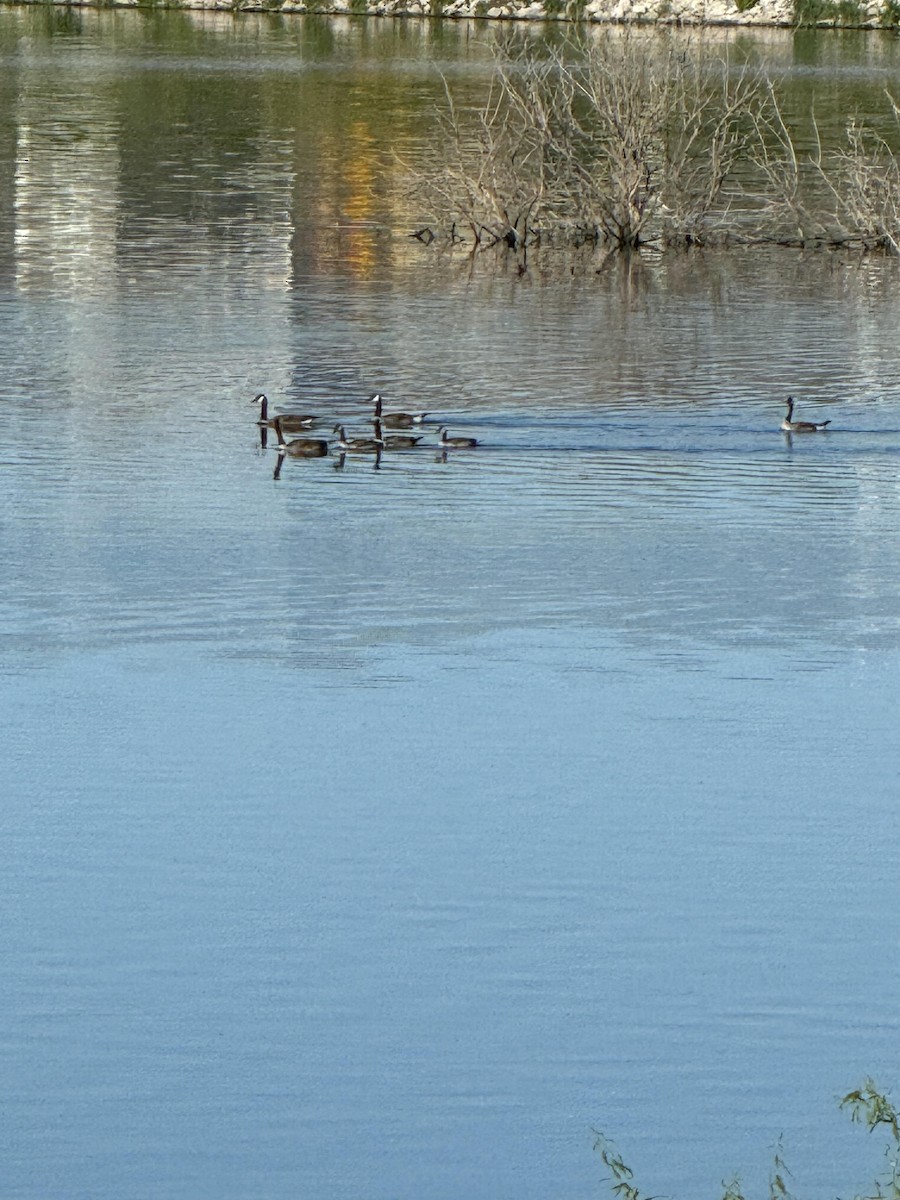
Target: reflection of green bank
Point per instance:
(848, 14)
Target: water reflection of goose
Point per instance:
(342, 459)
(289, 421)
(299, 447)
(458, 442)
(357, 445)
(397, 420)
(395, 441)
(791, 426)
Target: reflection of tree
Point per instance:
(290, 167)
(65, 190)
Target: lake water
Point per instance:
(383, 832)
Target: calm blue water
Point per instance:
(383, 832)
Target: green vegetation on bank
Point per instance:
(867, 1105)
(844, 14)
(605, 141)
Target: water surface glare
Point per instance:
(381, 827)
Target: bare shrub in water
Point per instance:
(491, 180)
(847, 196)
(864, 180)
(604, 139)
(783, 212)
(655, 143)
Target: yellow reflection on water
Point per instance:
(358, 172)
(347, 193)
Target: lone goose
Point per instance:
(289, 421)
(357, 445)
(395, 441)
(299, 447)
(791, 426)
(399, 420)
(459, 442)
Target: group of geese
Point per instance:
(314, 447)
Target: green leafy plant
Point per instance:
(867, 1105)
(778, 1188)
(873, 1108)
(621, 1175)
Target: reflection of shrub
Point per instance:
(866, 1105)
(604, 140)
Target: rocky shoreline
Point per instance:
(672, 12)
(859, 14)
(676, 12)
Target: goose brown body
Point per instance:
(357, 445)
(458, 442)
(299, 447)
(789, 425)
(395, 441)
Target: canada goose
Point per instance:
(395, 441)
(289, 421)
(357, 445)
(455, 441)
(399, 420)
(791, 426)
(299, 447)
